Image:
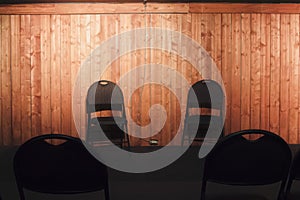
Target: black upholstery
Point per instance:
(105, 95)
(236, 160)
(64, 168)
(294, 175)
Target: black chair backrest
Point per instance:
(64, 168)
(249, 162)
(236, 160)
(104, 95)
(200, 95)
(205, 90)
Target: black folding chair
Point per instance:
(106, 96)
(236, 160)
(199, 97)
(63, 168)
(294, 175)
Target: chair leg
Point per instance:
(284, 192)
(203, 189)
(21, 193)
(106, 193)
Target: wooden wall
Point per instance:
(256, 48)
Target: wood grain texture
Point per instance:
(16, 79)
(294, 78)
(265, 70)
(245, 71)
(25, 78)
(113, 8)
(92, 8)
(257, 54)
(35, 86)
(6, 83)
(75, 62)
(66, 92)
(235, 100)
(275, 73)
(226, 68)
(255, 97)
(46, 114)
(243, 8)
(56, 79)
(284, 75)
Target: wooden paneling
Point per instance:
(265, 70)
(256, 52)
(115, 8)
(244, 8)
(294, 76)
(90, 8)
(6, 123)
(46, 115)
(226, 67)
(245, 71)
(16, 79)
(35, 84)
(275, 73)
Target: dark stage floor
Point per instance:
(179, 181)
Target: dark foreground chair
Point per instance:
(63, 168)
(235, 160)
(293, 176)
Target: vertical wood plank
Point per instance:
(56, 74)
(166, 94)
(236, 74)
(284, 75)
(275, 73)
(75, 62)
(114, 28)
(174, 104)
(106, 25)
(66, 114)
(35, 57)
(26, 77)
(255, 71)
(245, 71)
(197, 34)
(188, 30)
(227, 64)
(180, 95)
(16, 78)
(265, 71)
(6, 84)
(46, 114)
(134, 59)
(216, 52)
(207, 39)
(146, 89)
(85, 79)
(294, 79)
(156, 89)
